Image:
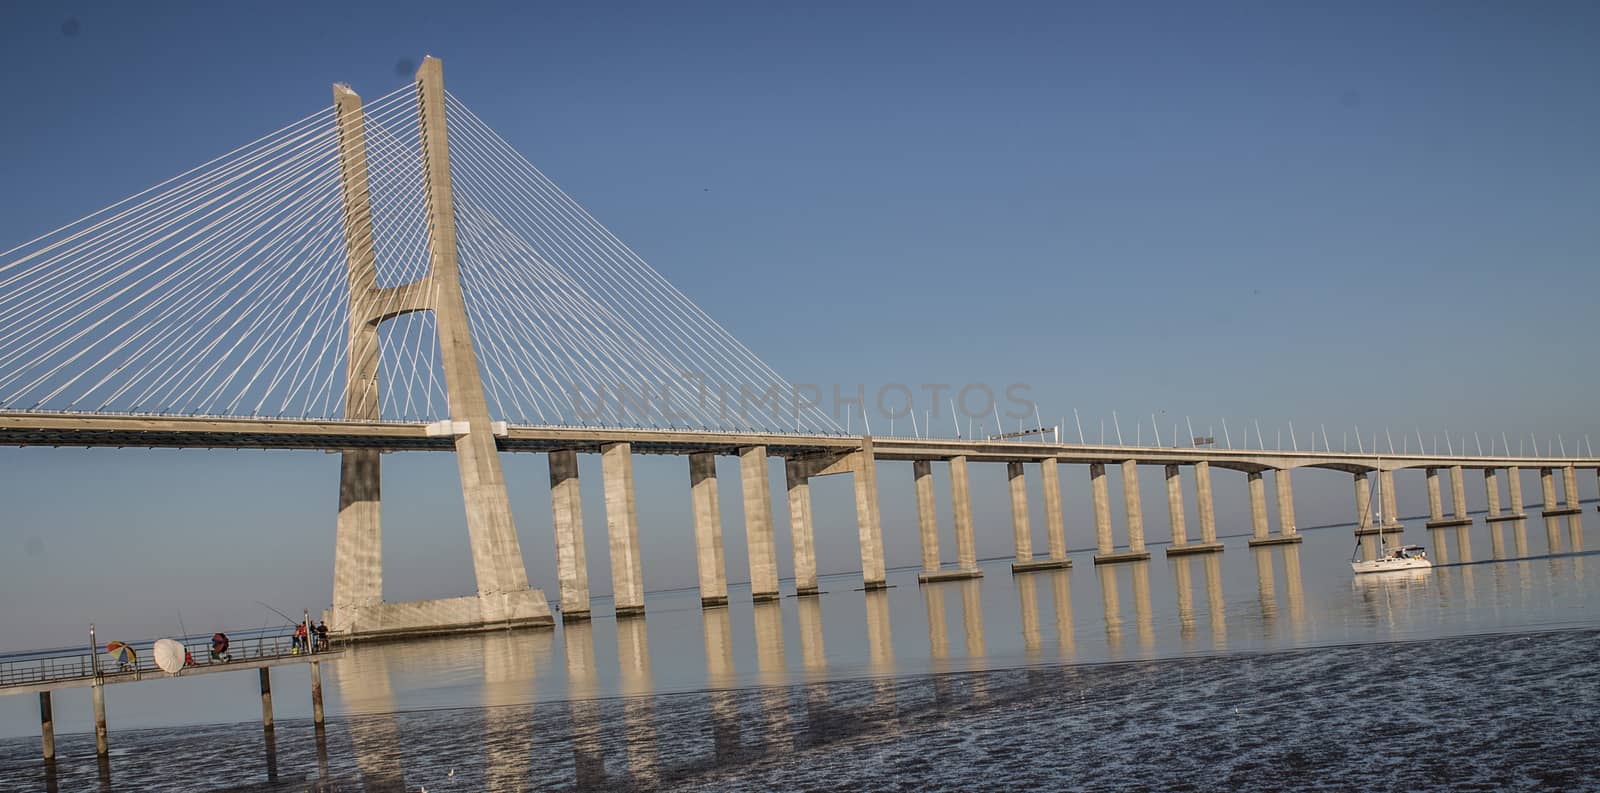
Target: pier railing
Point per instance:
(32, 669)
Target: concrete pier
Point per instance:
(1283, 482)
(801, 535)
(1258, 506)
(1458, 498)
(709, 562)
(566, 510)
(1021, 532)
(1547, 484)
(1569, 482)
(1055, 526)
(1259, 531)
(622, 529)
(1099, 494)
(1180, 532)
(760, 544)
(1207, 512)
(1514, 489)
(961, 503)
(961, 511)
(1131, 508)
(868, 525)
(1491, 492)
(927, 519)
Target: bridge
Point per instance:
(393, 275)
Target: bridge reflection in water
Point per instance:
(687, 693)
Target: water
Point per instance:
(1253, 668)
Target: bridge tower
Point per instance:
(503, 595)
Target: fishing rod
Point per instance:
(291, 620)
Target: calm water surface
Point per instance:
(803, 692)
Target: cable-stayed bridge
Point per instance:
(393, 275)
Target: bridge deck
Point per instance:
(60, 429)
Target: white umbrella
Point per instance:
(169, 656)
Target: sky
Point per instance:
(1356, 215)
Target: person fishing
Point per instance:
(219, 647)
(322, 636)
(302, 642)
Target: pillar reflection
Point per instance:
(1110, 599)
(1216, 605)
(1552, 534)
(510, 665)
(1294, 591)
(1183, 584)
(880, 644)
(772, 665)
(972, 617)
(938, 636)
(1141, 606)
(717, 627)
(638, 709)
(1464, 543)
(588, 747)
(1061, 601)
(1575, 532)
(1520, 537)
(364, 685)
(1028, 601)
(1264, 589)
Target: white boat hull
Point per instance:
(1390, 564)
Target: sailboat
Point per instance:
(1400, 557)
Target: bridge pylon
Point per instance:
(503, 596)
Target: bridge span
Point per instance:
(806, 456)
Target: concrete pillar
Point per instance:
(47, 727)
(1021, 532)
(1102, 508)
(800, 534)
(1363, 501)
(266, 697)
(1285, 486)
(1547, 484)
(1180, 533)
(496, 554)
(707, 529)
(1569, 481)
(1391, 510)
(759, 540)
(566, 512)
(927, 521)
(1491, 489)
(358, 539)
(1132, 506)
(317, 716)
(961, 503)
(622, 528)
(1435, 504)
(1514, 488)
(102, 742)
(1458, 492)
(1055, 527)
(1258, 505)
(1204, 503)
(1369, 542)
(868, 525)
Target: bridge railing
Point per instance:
(53, 666)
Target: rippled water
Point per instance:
(1253, 669)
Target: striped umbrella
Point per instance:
(122, 653)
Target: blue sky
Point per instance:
(1356, 215)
